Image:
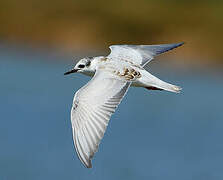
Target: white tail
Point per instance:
(151, 82)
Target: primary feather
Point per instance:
(140, 54)
(92, 107)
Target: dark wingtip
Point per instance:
(176, 45)
(168, 47)
(89, 165)
(180, 44)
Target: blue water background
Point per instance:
(153, 135)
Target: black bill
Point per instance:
(71, 71)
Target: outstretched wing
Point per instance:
(92, 108)
(139, 54)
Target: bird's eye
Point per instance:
(81, 66)
(88, 63)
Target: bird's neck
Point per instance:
(88, 73)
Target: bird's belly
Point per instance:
(137, 84)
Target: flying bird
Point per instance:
(95, 102)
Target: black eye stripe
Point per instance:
(81, 66)
(88, 63)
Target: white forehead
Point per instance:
(85, 60)
(82, 61)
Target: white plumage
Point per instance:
(95, 102)
(92, 108)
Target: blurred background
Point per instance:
(153, 135)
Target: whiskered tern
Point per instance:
(95, 102)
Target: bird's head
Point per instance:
(83, 66)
